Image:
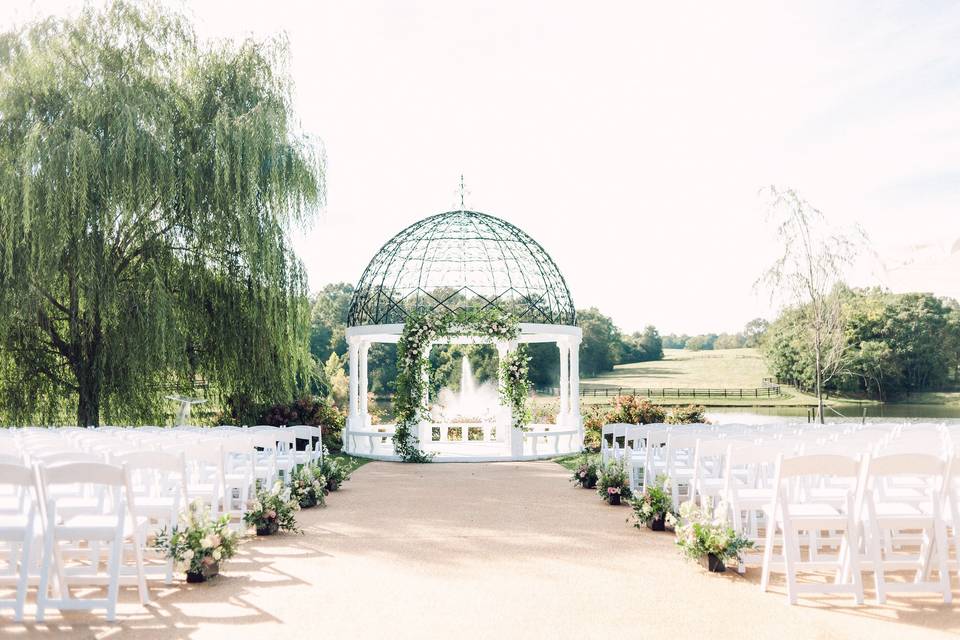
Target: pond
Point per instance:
(901, 412)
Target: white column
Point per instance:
(363, 383)
(352, 348)
(575, 387)
(564, 383)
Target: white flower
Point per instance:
(188, 555)
(207, 542)
(217, 554)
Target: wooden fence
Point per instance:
(770, 391)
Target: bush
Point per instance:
(689, 414)
(311, 410)
(634, 410)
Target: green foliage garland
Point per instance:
(412, 355)
(515, 384)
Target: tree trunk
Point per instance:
(88, 402)
(816, 349)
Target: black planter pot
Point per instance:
(713, 564)
(613, 498)
(657, 524)
(332, 485)
(268, 529)
(589, 484)
(308, 501)
(204, 574)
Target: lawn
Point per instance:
(682, 368)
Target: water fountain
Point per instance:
(473, 405)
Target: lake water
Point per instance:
(874, 413)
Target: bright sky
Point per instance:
(629, 138)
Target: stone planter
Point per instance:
(713, 563)
(204, 574)
(268, 529)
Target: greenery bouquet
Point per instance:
(585, 475)
(652, 507)
(705, 534)
(308, 486)
(335, 471)
(197, 543)
(613, 484)
(273, 510)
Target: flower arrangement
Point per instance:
(308, 486)
(652, 507)
(335, 471)
(515, 387)
(585, 475)
(613, 484)
(197, 543)
(705, 534)
(273, 510)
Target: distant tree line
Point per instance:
(603, 347)
(891, 344)
(749, 337)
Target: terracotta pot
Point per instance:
(713, 563)
(204, 574)
(268, 529)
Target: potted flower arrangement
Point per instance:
(585, 475)
(197, 543)
(705, 535)
(612, 485)
(272, 510)
(651, 508)
(335, 471)
(308, 486)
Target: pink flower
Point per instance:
(613, 490)
(583, 474)
(271, 514)
(208, 561)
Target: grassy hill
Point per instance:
(721, 368)
(682, 368)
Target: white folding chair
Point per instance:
(158, 482)
(889, 515)
(109, 525)
(792, 511)
(17, 532)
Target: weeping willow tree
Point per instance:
(148, 183)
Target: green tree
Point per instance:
(147, 185)
(328, 320)
(599, 348)
(809, 272)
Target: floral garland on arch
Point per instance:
(515, 385)
(412, 350)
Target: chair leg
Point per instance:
(24, 576)
(43, 589)
(876, 540)
(113, 569)
(942, 549)
(138, 545)
(767, 554)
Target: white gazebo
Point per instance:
(443, 264)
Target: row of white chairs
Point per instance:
(79, 506)
(878, 498)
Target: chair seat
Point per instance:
(13, 526)
(89, 526)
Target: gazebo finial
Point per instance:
(463, 193)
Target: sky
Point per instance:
(630, 139)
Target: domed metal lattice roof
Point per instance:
(461, 260)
